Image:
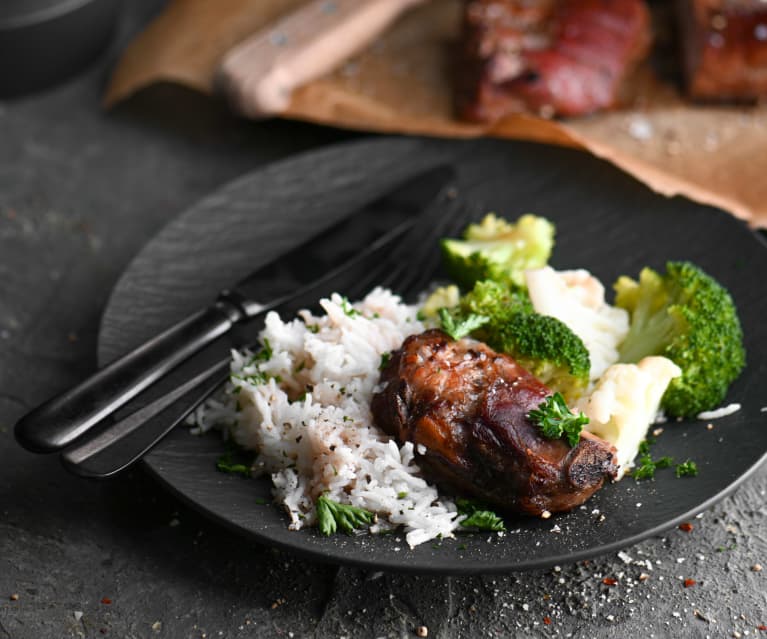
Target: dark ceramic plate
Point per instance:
(607, 223)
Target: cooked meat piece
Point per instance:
(554, 57)
(725, 48)
(467, 405)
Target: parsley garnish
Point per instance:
(347, 308)
(331, 515)
(385, 359)
(687, 469)
(555, 419)
(226, 464)
(645, 469)
(460, 327)
(266, 351)
(478, 517)
(647, 466)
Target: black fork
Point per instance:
(407, 269)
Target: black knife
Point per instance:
(60, 421)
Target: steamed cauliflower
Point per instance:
(625, 403)
(577, 299)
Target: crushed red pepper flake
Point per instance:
(106, 601)
(686, 527)
(761, 627)
(688, 583)
(547, 621)
(609, 581)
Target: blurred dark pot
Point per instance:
(45, 41)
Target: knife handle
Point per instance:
(260, 74)
(60, 421)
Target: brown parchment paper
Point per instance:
(401, 84)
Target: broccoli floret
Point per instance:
(548, 349)
(442, 297)
(688, 317)
(495, 299)
(497, 250)
(543, 345)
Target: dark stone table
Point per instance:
(80, 192)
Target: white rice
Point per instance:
(718, 413)
(306, 413)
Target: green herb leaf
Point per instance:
(348, 309)
(235, 460)
(331, 516)
(644, 446)
(687, 469)
(458, 327)
(225, 464)
(478, 516)
(555, 419)
(645, 469)
(385, 359)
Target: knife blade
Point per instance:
(60, 421)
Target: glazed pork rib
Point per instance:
(725, 48)
(465, 408)
(550, 57)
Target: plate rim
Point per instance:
(458, 567)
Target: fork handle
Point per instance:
(61, 420)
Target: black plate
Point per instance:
(606, 222)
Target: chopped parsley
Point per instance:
(458, 327)
(385, 359)
(478, 517)
(266, 352)
(255, 378)
(402, 494)
(348, 309)
(687, 469)
(645, 469)
(555, 420)
(227, 464)
(644, 446)
(331, 516)
(646, 466)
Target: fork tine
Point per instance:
(411, 276)
(406, 257)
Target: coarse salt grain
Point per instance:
(640, 129)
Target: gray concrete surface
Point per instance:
(80, 192)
